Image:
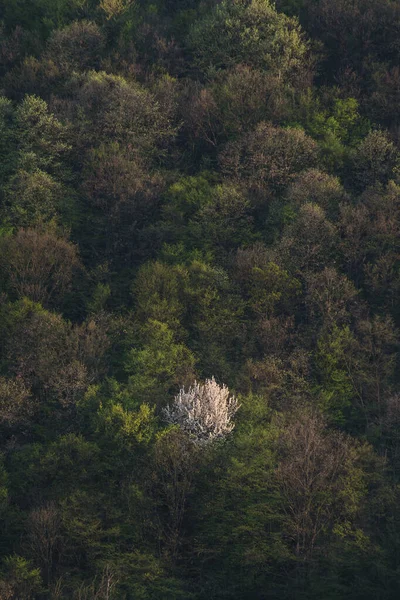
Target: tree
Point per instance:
(112, 109)
(250, 33)
(246, 96)
(319, 188)
(114, 8)
(78, 46)
(158, 291)
(176, 461)
(383, 105)
(369, 233)
(39, 265)
(269, 157)
(375, 161)
(234, 102)
(356, 35)
(356, 370)
(122, 195)
(333, 361)
(208, 216)
(8, 142)
(331, 298)
(54, 359)
(41, 133)
(19, 579)
(309, 243)
(224, 222)
(213, 313)
(267, 288)
(205, 411)
(322, 477)
(159, 366)
(117, 182)
(16, 404)
(33, 198)
(44, 539)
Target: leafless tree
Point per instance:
(176, 460)
(16, 404)
(317, 469)
(44, 537)
(40, 265)
(102, 588)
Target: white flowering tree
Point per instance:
(205, 411)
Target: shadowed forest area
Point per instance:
(199, 300)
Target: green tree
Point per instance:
(8, 141)
(41, 133)
(113, 109)
(160, 366)
(33, 198)
(19, 579)
(250, 33)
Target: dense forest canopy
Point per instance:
(199, 299)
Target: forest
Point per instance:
(199, 299)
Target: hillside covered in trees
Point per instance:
(199, 300)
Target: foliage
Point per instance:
(194, 193)
(251, 33)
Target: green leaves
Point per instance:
(40, 132)
(160, 366)
(20, 579)
(251, 33)
(185, 195)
